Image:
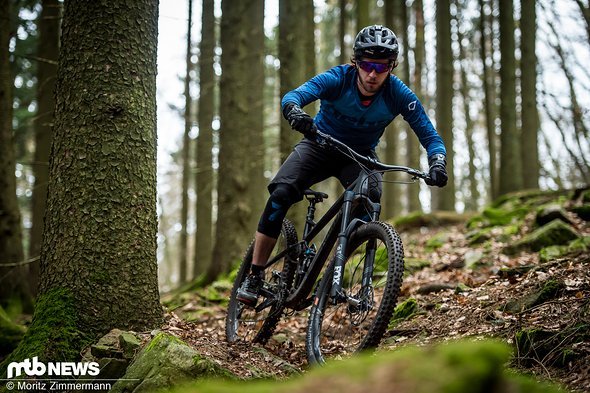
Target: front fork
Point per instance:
(336, 293)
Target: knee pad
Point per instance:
(282, 197)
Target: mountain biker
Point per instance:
(358, 101)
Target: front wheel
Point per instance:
(258, 324)
(371, 282)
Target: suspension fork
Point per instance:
(371, 250)
(336, 292)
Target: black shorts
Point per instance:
(310, 163)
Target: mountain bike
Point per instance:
(362, 260)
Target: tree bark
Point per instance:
(48, 52)
(240, 157)
(488, 105)
(444, 199)
(471, 201)
(528, 81)
(510, 159)
(204, 157)
(362, 14)
(343, 58)
(98, 261)
(391, 201)
(186, 156)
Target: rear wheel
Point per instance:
(335, 330)
(258, 324)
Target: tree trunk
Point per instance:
(530, 116)
(419, 61)
(98, 261)
(391, 201)
(204, 172)
(362, 14)
(343, 58)
(412, 143)
(48, 52)
(510, 159)
(13, 284)
(471, 200)
(186, 156)
(241, 186)
(444, 199)
(488, 105)
(293, 53)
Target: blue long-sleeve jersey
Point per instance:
(343, 116)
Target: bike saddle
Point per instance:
(315, 194)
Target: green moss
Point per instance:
(574, 247)
(419, 219)
(53, 334)
(160, 339)
(437, 241)
(403, 311)
(463, 366)
(555, 233)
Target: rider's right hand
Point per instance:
(298, 119)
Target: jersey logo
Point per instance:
(412, 105)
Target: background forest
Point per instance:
(94, 230)
(504, 82)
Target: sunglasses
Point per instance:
(369, 66)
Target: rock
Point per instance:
(464, 366)
(548, 291)
(551, 212)
(582, 211)
(419, 219)
(574, 247)
(105, 351)
(129, 344)
(164, 362)
(437, 241)
(403, 311)
(472, 257)
(10, 333)
(555, 233)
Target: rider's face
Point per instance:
(369, 80)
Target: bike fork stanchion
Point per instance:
(336, 292)
(370, 252)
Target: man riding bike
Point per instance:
(358, 101)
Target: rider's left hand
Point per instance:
(438, 170)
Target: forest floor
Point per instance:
(456, 298)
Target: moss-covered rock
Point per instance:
(437, 241)
(555, 233)
(164, 362)
(403, 311)
(451, 368)
(574, 247)
(547, 291)
(551, 348)
(419, 219)
(582, 211)
(10, 333)
(550, 212)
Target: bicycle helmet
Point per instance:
(376, 42)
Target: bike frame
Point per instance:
(343, 223)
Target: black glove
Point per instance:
(299, 120)
(438, 170)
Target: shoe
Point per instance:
(248, 291)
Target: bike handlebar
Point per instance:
(325, 139)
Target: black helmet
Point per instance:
(377, 42)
